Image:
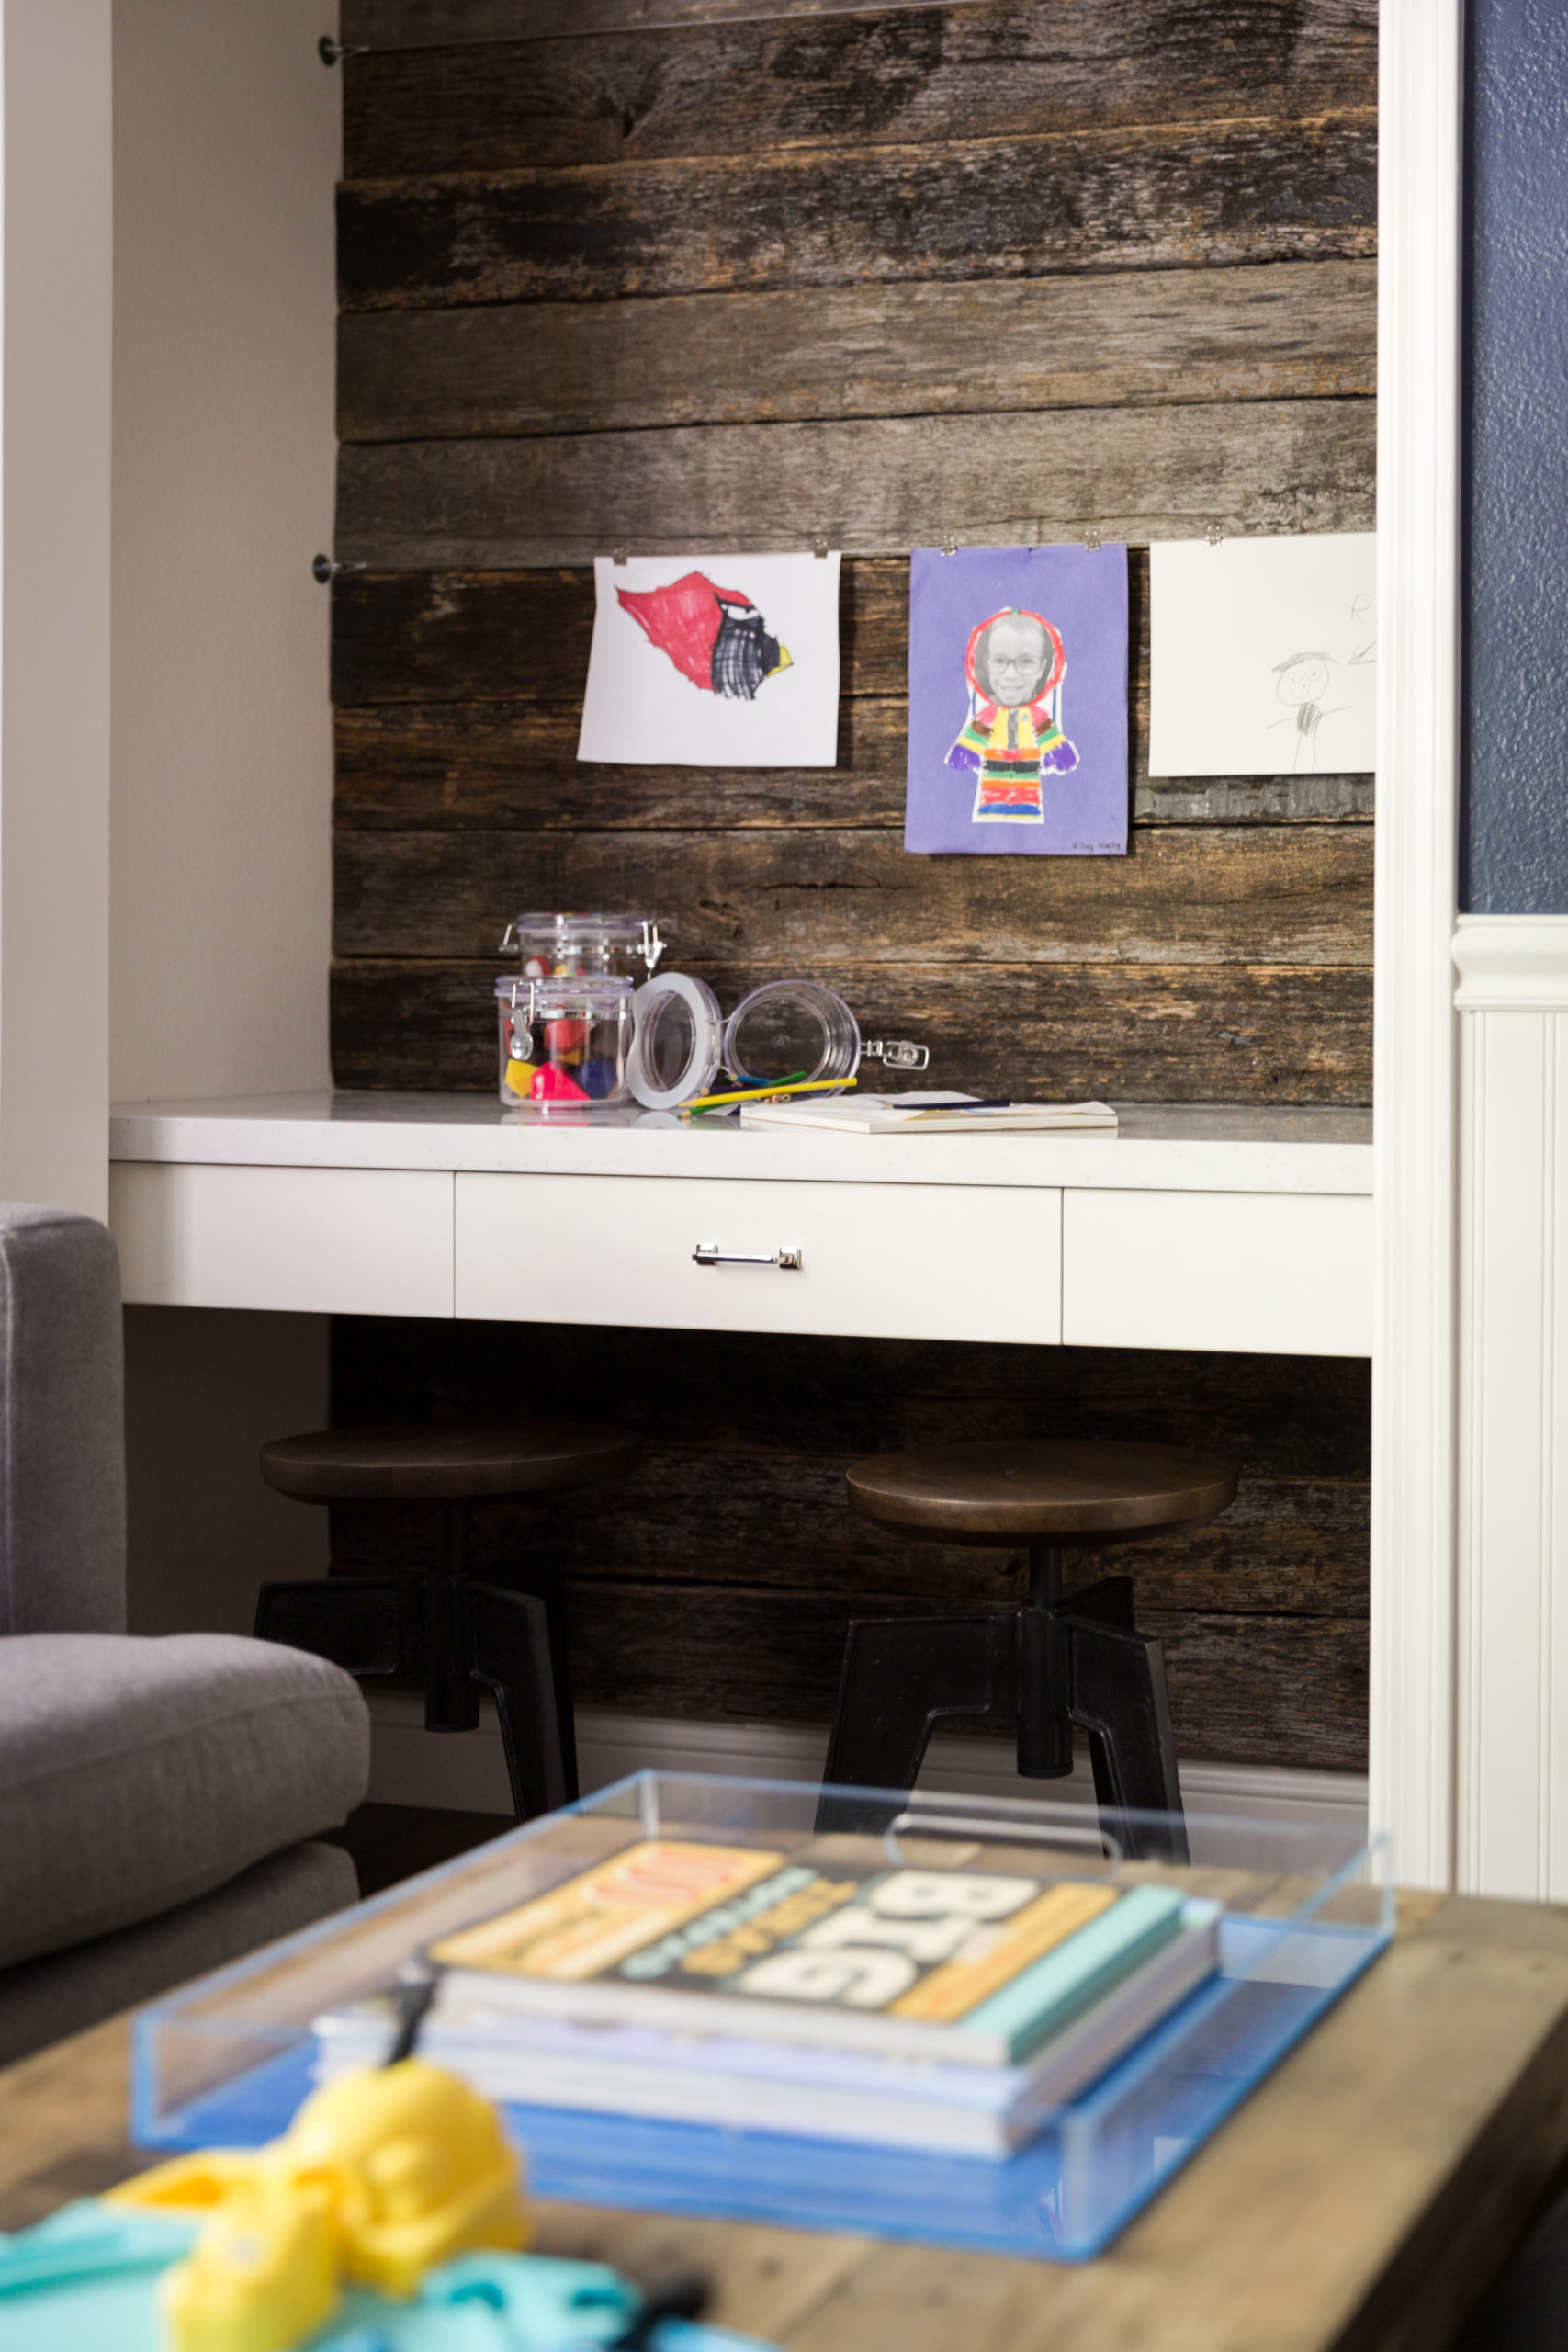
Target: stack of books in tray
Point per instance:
(841, 1999)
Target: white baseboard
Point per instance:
(466, 1771)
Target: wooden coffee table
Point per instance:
(1361, 2197)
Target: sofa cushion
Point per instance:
(137, 1774)
(63, 1992)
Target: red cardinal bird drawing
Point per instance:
(714, 635)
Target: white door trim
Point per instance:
(1413, 1361)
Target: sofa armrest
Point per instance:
(61, 1424)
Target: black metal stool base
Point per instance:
(458, 1637)
(1054, 1665)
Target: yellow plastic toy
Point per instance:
(263, 2274)
(382, 2175)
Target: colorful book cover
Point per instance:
(1007, 1957)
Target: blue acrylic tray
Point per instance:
(1308, 1906)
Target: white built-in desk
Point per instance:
(1194, 1227)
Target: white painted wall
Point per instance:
(54, 614)
(227, 149)
(226, 153)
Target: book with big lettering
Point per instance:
(976, 1967)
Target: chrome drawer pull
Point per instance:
(708, 1253)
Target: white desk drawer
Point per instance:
(926, 1261)
(1287, 1274)
(327, 1241)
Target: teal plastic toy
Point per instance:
(85, 2280)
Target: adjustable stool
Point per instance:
(456, 1635)
(1056, 1662)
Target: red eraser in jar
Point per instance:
(552, 1085)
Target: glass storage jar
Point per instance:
(792, 1030)
(556, 947)
(564, 1042)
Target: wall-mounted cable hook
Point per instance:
(325, 569)
(332, 52)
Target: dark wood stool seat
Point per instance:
(1056, 1663)
(456, 1634)
(451, 1462)
(1042, 1490)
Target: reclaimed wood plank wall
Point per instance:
(1017, 269)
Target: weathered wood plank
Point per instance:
(469, 637)
(887, 76)
(1315, 41)
(878, 487)
(477, 636)
(703, 1516)
(1204, 895)
(736, 1514)
(441, 24)
(1295, 330)
(1298, 1425)
(453, 640)
(514, 767)
(1243, 1689)
(1158, 197)
(1192, 1033)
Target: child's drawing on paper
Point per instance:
(1263, 656)
(714, 661)
(1014, 665)
(1302, 683)
(714, 635)
(995, 635)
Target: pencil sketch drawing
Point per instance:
(1303, 680)
(1263, 656)
(1013, 666)
(715, 637)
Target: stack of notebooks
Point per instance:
(948, 2010)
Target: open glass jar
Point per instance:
(787, 1032)
(560, 946)
(563, 1042)
(792, 1030)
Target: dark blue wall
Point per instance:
(1514, 833)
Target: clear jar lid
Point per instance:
(599, 996)
(584, 942)
(679, 1042)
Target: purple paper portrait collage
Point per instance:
(1018, 702)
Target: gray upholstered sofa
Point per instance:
(157, 1798)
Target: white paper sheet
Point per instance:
(1263, 656)
(717, 661)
